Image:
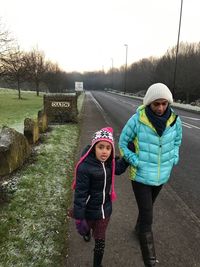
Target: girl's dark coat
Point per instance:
(91, 201)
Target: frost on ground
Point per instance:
(33, 221)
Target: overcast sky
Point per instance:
(86, 35)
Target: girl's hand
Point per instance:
(82, 227)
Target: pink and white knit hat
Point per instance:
(105, 134)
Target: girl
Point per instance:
(94, 189)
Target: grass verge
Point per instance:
(14, 110)
(33, 223)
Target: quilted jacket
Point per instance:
(153, 156)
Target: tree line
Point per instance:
(180, 74)
(22, 70)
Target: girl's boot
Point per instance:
(98, 252)
(148, 249)
(97, 259)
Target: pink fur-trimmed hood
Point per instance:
(105, 134)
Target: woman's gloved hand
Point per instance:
(82, 227)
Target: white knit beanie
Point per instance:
(157, 91)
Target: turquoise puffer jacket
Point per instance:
(154, 156)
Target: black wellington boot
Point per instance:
(148, 249)
(97, 259)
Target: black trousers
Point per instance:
(145, 196)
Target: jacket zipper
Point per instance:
(88, 199)
(160, 147)
(104, 189)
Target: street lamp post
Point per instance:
(177, 47)
(125, 70)
(112, 72)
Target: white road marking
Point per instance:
(191, 118)
(190, 125)
(183, 123)
(100, 109)
(124, 101)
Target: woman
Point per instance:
(150, 142)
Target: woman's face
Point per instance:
(159, 106)
(103, 150)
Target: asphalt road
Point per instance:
(186, 176)
(176, 212)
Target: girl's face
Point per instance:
(103, 150)
(159, 106)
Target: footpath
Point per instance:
(176, 232)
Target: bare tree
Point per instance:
(52, 76)
(6, 41)
(14, 68)
(187, 70)
(36, 67)
(6, 44)
(140, 74)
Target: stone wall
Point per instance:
(42, 121)
(31, 130)
(14, 150)
(34, 127)
(61, 108)
(15, 147)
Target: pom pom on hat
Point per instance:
(157, 91)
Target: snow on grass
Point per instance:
(186, 106)
(33, 223)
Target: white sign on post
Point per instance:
(78, 86)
